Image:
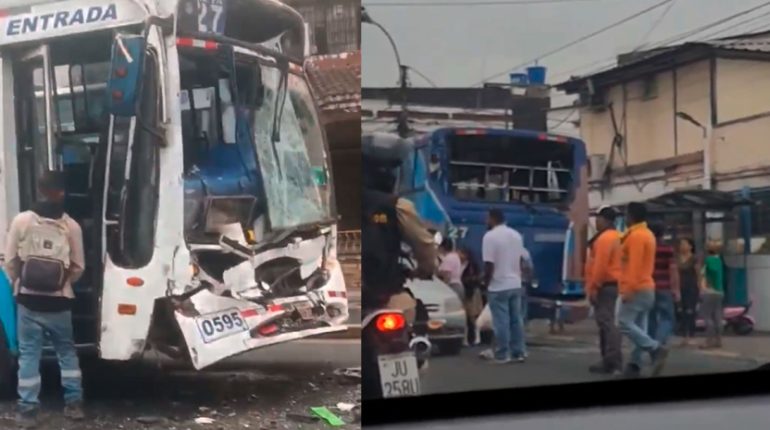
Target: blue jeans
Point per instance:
(662, 317)
(633, 319)
(33, 328)
(507, 322)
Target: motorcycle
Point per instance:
(735, 319)
(393, 351)
(392, 355)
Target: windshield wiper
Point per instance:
(283, 90)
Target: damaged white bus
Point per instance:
(195, 163)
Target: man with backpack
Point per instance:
(44, 255)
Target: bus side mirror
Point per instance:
(126, 69)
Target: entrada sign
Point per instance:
(60, 20)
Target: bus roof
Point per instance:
(42, 20)
(520, 133)
(251, 21)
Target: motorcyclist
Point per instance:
(389, 220)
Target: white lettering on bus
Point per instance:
(59, 20)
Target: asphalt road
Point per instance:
(552, 364)
(263, 397)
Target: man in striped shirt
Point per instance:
(661, 321)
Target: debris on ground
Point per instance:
(345, 407)
(351, 375)
(328, 416)
(148, 419)
(300, 418)
(266, 405)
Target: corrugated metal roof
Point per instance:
(754, 42)
(761, 44)
(380, 116)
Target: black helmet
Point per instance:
(382, 154)
(384, 149)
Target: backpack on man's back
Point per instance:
(44, 250)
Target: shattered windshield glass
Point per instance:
(296, 173)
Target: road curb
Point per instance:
(353, 332)
(557, 341)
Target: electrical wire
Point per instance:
(741, 25)
(579, 40)
(422, 75)
(673, 39)
(762, 28)
(562, 121)
(654, 26)
(701, 29)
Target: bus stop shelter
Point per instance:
(705, 215)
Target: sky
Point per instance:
(461, 45)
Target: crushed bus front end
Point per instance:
(196, 164)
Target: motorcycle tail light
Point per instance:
(390, 322)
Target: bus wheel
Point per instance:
(7, 368)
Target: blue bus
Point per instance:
(539, 180)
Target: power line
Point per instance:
(579, 40)
(701, 29)
(422, 75)
(564, 120)
(477, 3)
(655, 25)
(742, 25)
(677, 37)
(757, 29)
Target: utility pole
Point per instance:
(403, 70)
(403, 116)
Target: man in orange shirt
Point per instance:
(602, 274)
(637, 290)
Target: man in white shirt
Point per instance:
(504, 254)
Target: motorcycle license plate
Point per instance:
(399, 375)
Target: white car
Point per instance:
(447, 326)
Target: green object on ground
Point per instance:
(328, 416)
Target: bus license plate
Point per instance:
(215, 326)
(399, 375)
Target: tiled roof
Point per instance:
(336, 81)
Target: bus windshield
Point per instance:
(295, 173)
(289, 153)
